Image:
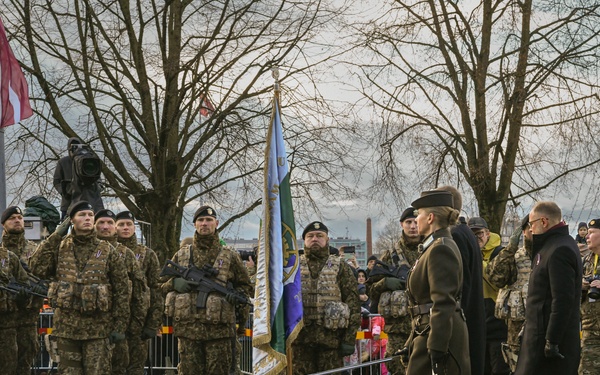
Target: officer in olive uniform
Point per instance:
(13, 239)
(510, 271)
(139, 294)
(439, 341)
(207, 336)
(15, 316)
(330, 303)
(89, 293)
(151, 318)
(387, 294)
(590, 304)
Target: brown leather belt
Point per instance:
(424, 309)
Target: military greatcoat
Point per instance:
(434, 286)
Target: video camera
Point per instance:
(594, 293)
(86, 164)
(246, 254)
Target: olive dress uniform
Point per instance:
(434, 286)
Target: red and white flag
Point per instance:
(206, 107)
(14, 94)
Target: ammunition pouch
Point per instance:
(393, 304)
(87, 299)
(509, 305)
(336, 315)
(182, 306)
(7, 302)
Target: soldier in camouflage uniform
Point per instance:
(510, 271)
(590, 307)
(207, 336)
(89, 293)
(13, 308)
(139, 294)
(150, 319)
(13, 239)
(386, 291)
(331, 306)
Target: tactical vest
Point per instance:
(182, 306)
(7, 299)
(590, 309)
(88, 291)
(511, 300)
(321, 297)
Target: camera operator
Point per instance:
(73, 187)
(590, 303)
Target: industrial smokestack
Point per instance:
(369, 238)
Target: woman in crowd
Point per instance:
(438, 343)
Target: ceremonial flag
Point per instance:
(14, 96)
(206, 107)
(278, 297)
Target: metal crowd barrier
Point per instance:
(163, 355)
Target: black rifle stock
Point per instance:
(202, 276)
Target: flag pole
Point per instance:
(276, 89)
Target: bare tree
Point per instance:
(500, 95)
(388, 237)
(175, 96)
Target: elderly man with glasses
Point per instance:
(496, 331)
(551, 337)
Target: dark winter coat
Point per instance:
(472, 294)
(552, 311)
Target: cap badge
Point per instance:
(593, 222)
(317, 226)
(210, 211)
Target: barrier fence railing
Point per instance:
(163, 355)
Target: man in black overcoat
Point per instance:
(551, 340)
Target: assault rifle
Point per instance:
(35, 287)
(202, 277)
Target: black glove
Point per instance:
(231, 298)
(116, 337)
(39, 289)
(181, 285)
(148, 333)
(63, 228)
(551, 351)
(403, 353)
(392, 283)
(346, 349)
(438, 361)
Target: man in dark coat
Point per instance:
(551, 340)
(472, 289)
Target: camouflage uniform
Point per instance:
(325, 279)
(152, 317)
(138, 299)
(207, 337)
(590, 323)
(10, 311)
(89, 295)
(27, 320)
(398, 328)
(510, 271)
